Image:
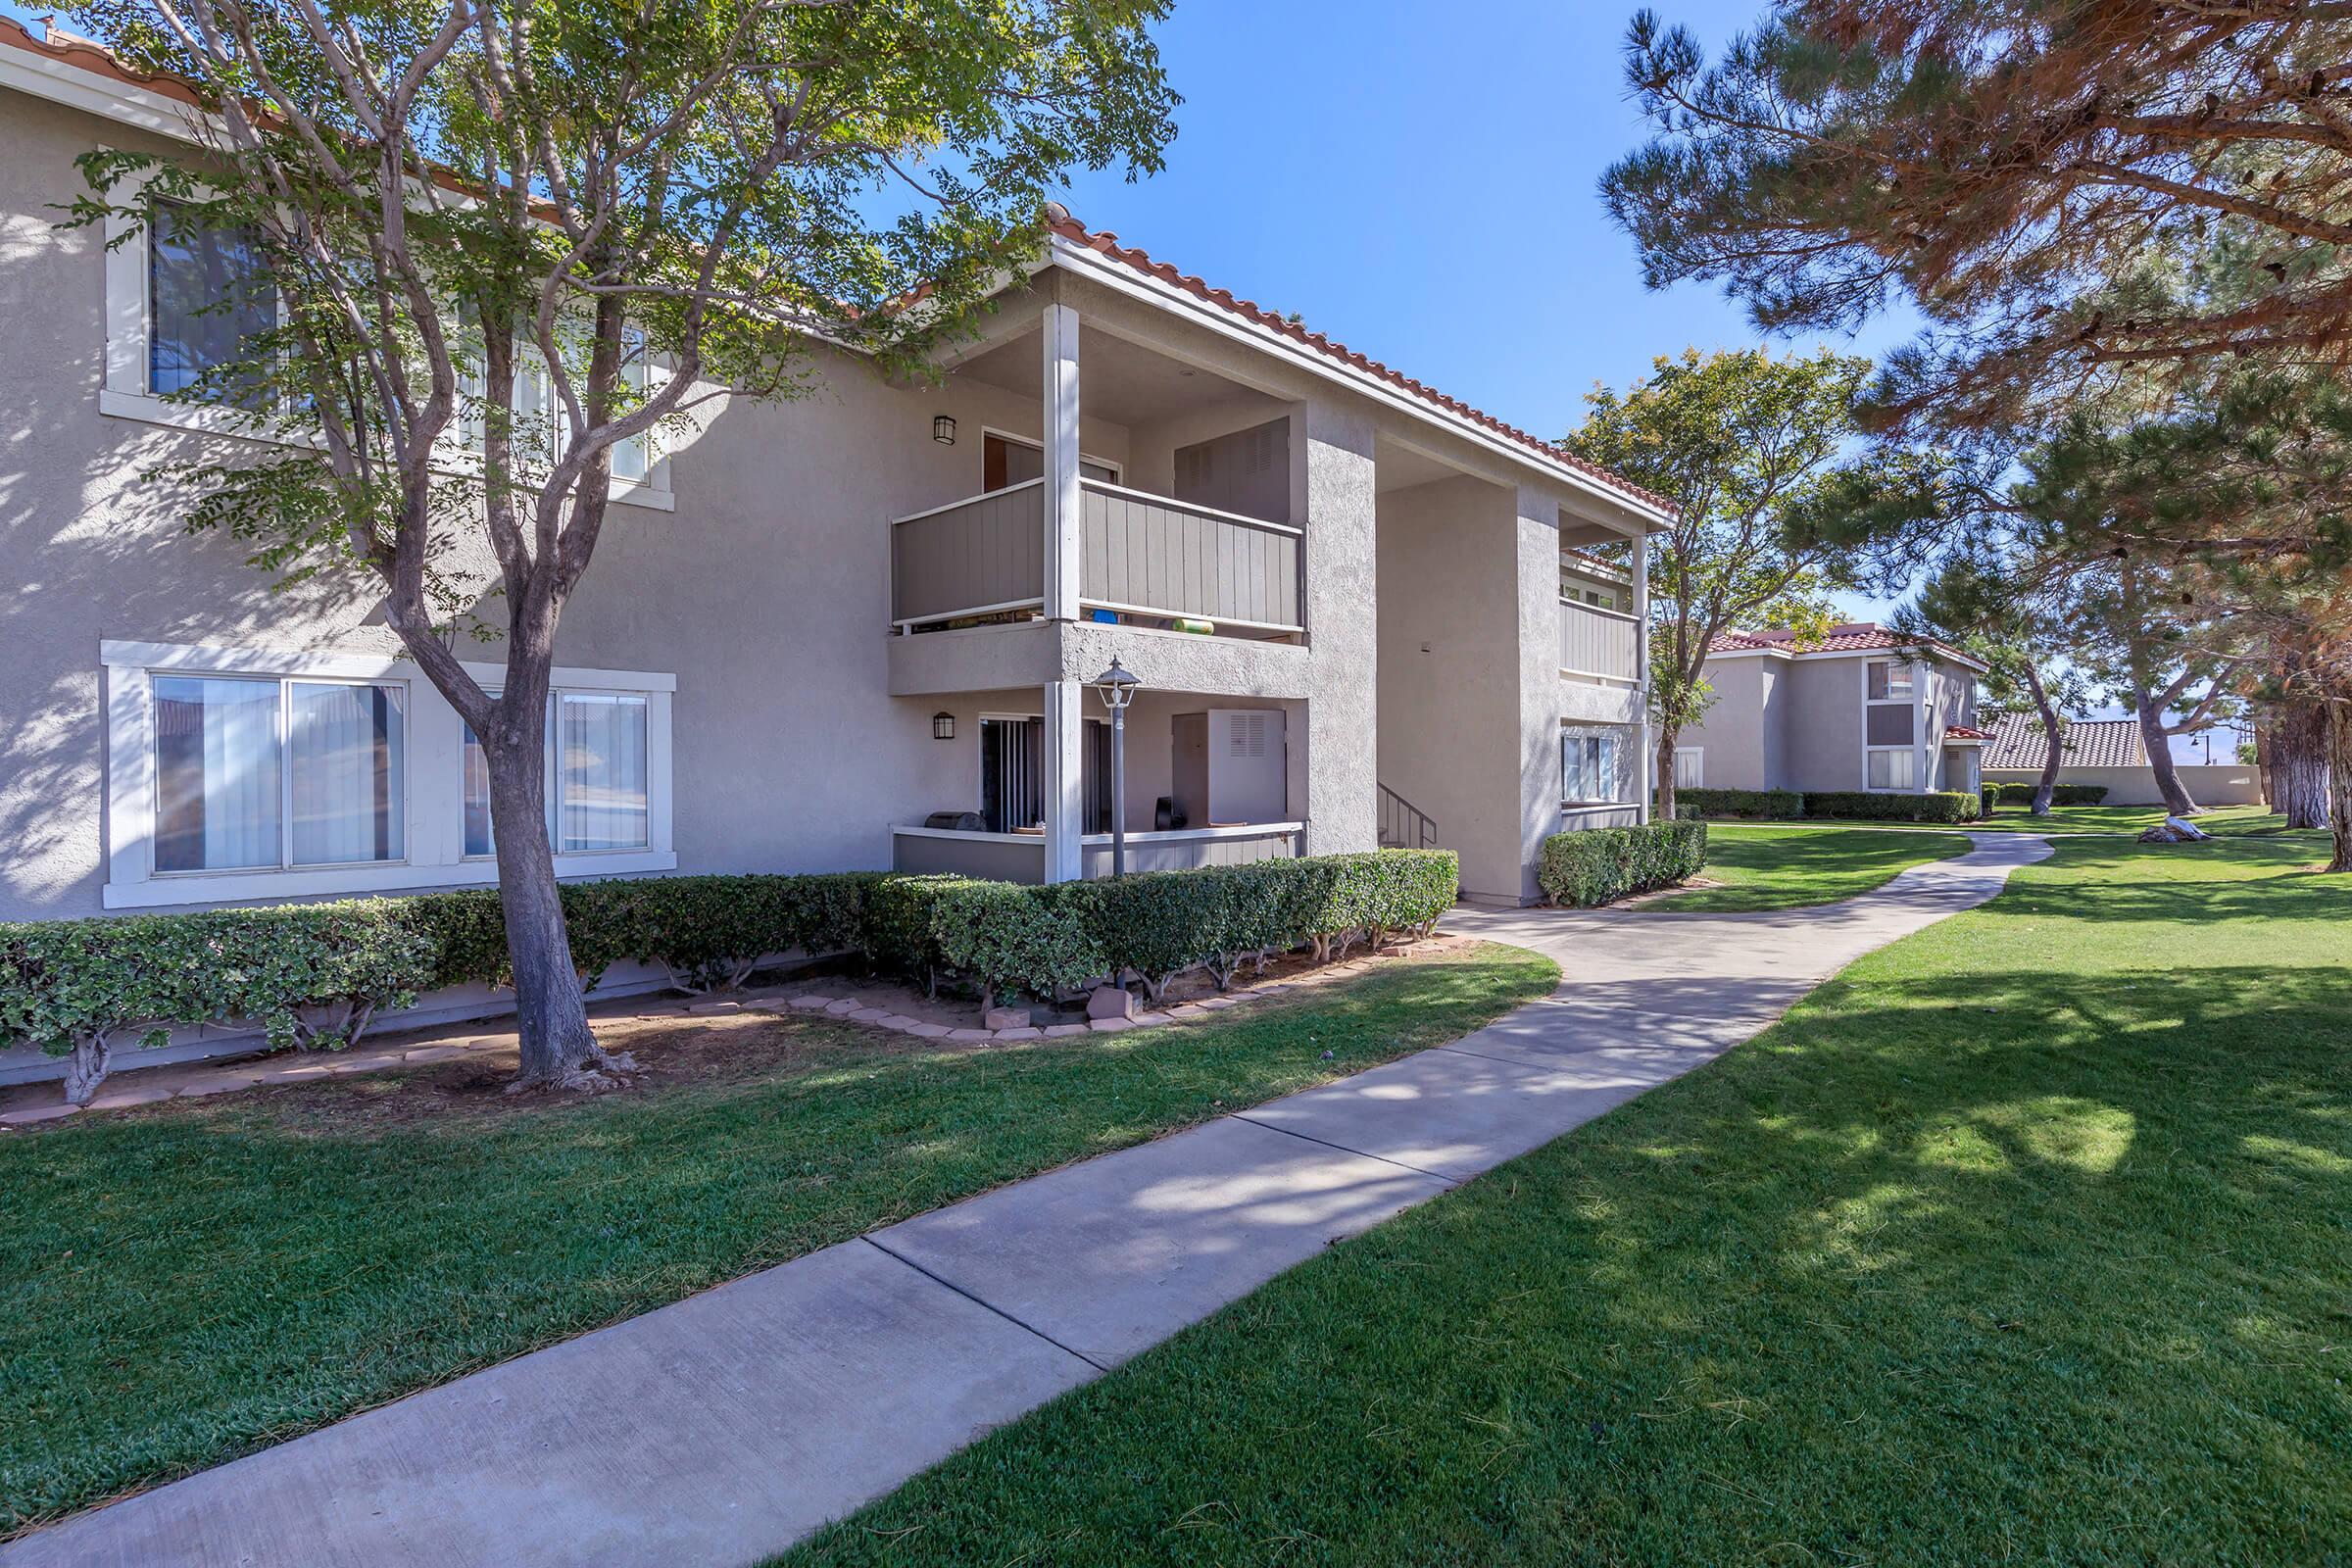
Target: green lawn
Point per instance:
(2125, 820)
(180, 1286)
(1766, 866)
(2026, 1241)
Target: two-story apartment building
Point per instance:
(1860, 708)
(853, 630)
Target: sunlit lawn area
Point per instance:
(2027, 1240)
(1762, 866)
(2125, 820)
(182, 1284)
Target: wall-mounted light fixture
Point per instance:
(942, 430)
(943, 726)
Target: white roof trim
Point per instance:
(1933, 655)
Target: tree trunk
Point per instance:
(92, 1054)
(2299, 771)
(2053, 729)
(1668, 734)
(551, 1015)
(2340, 762)
(2177, 799)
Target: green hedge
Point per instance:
(1938, 806)
(1705, 803)
(315, 974)
(1599, 865)
(308, 974)
(2009, 793)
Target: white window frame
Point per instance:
(433, 826)
(1118, 471)
(1699, 767)
(1614, 784)
(1913, 696)
(126, 394)
(1911, 752)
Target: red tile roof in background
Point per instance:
(1857, 636)
(1963, 733)
(2019, 742)
(1108, 244)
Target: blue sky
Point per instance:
(1427, 194)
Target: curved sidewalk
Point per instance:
(724, 1428)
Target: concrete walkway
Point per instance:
(727, 1427)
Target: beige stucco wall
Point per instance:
(1449, 715)
(2214, 784)
(1732, 730)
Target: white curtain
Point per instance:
(344, 746)
(601, 772)
(216, 773)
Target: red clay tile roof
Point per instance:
(90, 58)
(2018, 742)
(1965, 732)
(1107, 243)
(1859, 636)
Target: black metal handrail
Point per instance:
(1404, 826)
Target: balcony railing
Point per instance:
(1144, 554)
(1600, 643)
(1022, 857)
(1140, 554)
(980, 556)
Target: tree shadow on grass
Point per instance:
(2053, 1274)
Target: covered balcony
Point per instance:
(1164, 500)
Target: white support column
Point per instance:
(1062, 496)
(1646, 775)
(1064, 784)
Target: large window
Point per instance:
(599, 773)
(255, 775)
(600, 787)
(239, 775)
(207, 294)
(1588, 767)
(1890, 770)
(1890, 681)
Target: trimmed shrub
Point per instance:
(310, 975)
(1003, 937)
(1705, 803)
(1863, 806)
(2011, 793)
(315, 974)
(1601, 865)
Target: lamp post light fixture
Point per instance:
(942, 430)
(1117, 688)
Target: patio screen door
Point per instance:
(1012, 774)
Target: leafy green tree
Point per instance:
(1757, 454)
(508, 238)
(2026, 173)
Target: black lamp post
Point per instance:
(1117, 688)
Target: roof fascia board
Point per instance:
(1935, 656)
(39, 75)
(1122, 278)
